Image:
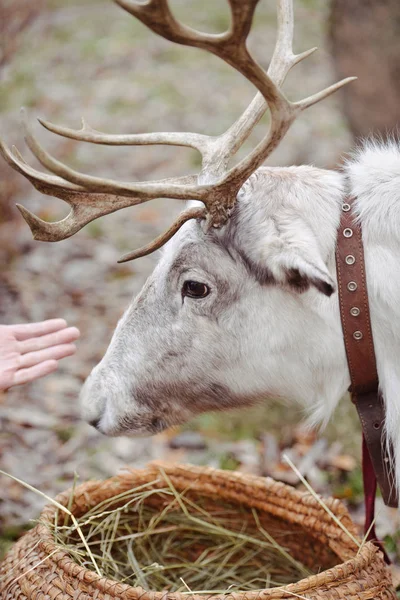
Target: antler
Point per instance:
(216, 185)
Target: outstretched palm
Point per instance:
(29, 351)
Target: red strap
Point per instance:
(369, 496)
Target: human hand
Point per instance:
(32, 350)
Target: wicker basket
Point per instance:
(35, 569)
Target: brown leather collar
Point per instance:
(357, 333)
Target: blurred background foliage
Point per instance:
(84, 57)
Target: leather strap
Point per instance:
(354, 307)
(371, 411)
(357, 333)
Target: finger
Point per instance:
(27, 375)
(24, 331)
(53, 353)
(65, 336)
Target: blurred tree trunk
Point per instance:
(365, 41)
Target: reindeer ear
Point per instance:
(300, 274)
(292, 269)
(285, 248)
(296, 263)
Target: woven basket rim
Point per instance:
(344, 570)
(294, 501)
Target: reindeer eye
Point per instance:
(195, 289)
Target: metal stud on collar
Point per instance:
(355, 311)
(357, 335)
(346, 207)
(347, 232)
(352, 286)
(350, 259)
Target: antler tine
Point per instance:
(147, 190)
(85, 206)
(16, 161)
(187, 215)
(88, 134)
(80, 215)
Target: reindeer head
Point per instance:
(218, 324)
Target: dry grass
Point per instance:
(165, 540)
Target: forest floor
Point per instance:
(92, 59)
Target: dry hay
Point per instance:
(164, 540)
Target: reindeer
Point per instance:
(242, 305)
